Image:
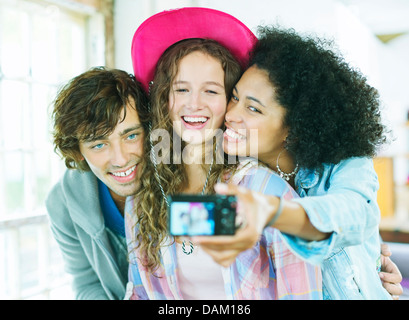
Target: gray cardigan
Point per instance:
(93, 255)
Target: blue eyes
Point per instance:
(132, 136)
(99, 146)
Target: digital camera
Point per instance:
(194, 215)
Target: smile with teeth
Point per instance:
(194, 119)
(124, 173)
(234, 134)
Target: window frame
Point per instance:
(50, 274)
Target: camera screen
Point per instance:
(192, 218)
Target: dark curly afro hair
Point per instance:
(332, 112)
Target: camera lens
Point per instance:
(225, 211)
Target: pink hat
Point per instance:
(163, 29)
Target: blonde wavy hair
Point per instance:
(150, 207)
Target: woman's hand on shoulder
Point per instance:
(390, 274)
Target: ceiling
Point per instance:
(387, 19)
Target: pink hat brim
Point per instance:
(161, 30)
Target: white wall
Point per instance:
(394, 90)
(128, 15)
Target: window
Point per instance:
(42, 45)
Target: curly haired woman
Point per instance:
(319, 125)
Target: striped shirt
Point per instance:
(268, 271)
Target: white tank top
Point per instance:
(200, 278)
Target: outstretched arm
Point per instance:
(256, 210)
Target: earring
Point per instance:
(284, 175)
(150, 87)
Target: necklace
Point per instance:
(153, 156)
(284, 175)
(191, 245)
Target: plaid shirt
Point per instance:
(268, 271)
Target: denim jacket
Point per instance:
(341, 200)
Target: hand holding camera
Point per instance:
(225, 249)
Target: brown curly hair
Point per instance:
(90, 105)
(150, 206)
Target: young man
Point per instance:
(100, 119)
